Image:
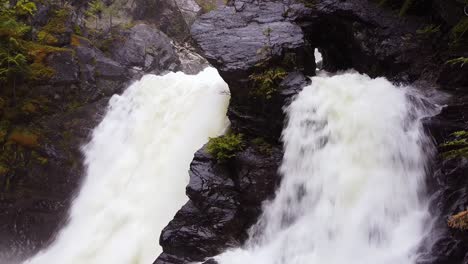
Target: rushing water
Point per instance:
(353, 178)
(137, 163)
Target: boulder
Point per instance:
(225, 199)
(145, 48)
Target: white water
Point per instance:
(353, 178)
(137, 168)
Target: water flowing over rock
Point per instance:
(350, 34)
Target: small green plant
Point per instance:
(225, 147)
(461, 60)
(266, 82)
(262, 146)
(428, 30)
(457, 147)
(458, 32)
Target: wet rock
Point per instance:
(170, 18)
(225, 199)
(146, 48)
(65, 67)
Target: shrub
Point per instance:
(225, 147)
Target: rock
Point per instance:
(65, 67)
(225, 199)
(233, 41)
(147, 48)
(189, 9)
(170, 19)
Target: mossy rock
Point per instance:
(225, 147)
(457, 147)
(459, 221)
(24, 137)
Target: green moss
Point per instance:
(266, 82)
(459, 32)
(3, 169)
(58, 22)
(24, 137)
(405, 7)
(207, 5)
(457, 146)
(38, 52)
(461, 133)
(42, 160)
(428, 30)
(225, 147)
(460, 60)
(262, 146)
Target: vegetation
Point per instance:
(267, 82)
(460, 60)
(262, 146)
(55, 26)
(225, 147)
(428, 30)
(459, 32)
(457, 147)
(459, 221)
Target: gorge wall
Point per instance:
(264, 50)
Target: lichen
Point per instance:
(459, 221)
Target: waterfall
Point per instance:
(137, 168)
(353, 187)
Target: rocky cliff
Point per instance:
(263, 50)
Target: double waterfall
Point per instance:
(352, 192)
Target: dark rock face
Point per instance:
(146, 48)
(173, 17)
(225, 199)
(449, 185)
(246, 38)
(39, 177)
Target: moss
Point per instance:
(4, 126)
(262, 146)
(459, 32)
(40, 159)
(58, 22)
(41, 72)
(428, 30)
(2, 104)
(405, 7)
(24, 137)
(46, 38)
(460, 60)
(29, 108)
(225, 147)
(266, 82)
(3, 169)
(78, 40)
(459, 221)
(207, 5)
(457, 146)
(77, 30)
(38, 53)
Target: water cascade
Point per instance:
(353, 178)
(137, 168)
